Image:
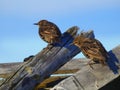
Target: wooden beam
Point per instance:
(46, 62)
(76, 65)
(9, 68)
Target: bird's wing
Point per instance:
(55, 32)
(54, 29)
(93, 47)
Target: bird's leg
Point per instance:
(49, 46)
(90, 63)
(103, 62)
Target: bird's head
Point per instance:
(79, 39)
(41, 23)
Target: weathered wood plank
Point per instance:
(90, 79)
(50, 59)
(76, 64)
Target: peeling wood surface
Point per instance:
(46, 62)
(90, 79)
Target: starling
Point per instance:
(49, 32)
(91, 48)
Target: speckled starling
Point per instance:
(49, 32)
(91, 48)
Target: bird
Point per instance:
(92, 49)
(49, 32)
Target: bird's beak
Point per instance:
(35, 23)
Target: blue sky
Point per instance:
(19, 37)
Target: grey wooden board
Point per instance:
(90, 79)
(6, 68)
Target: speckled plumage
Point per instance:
(91, 48)
(49, 32)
